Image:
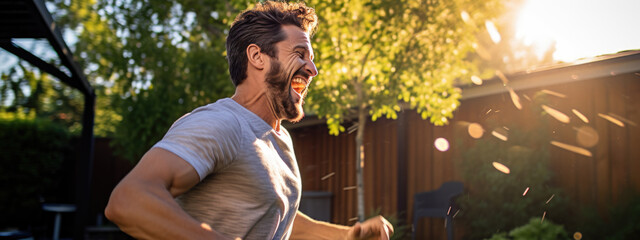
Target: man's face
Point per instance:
(290, 74)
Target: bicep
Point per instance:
(162, 168)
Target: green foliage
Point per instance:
(152, 61)
(25, 89)
(495, 201)
(536, 229)
(31, 155)
(375, 55)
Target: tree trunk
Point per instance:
(362, 120)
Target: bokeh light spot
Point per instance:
(475, 130)
(515, 98)
(500, 133)
(476, 80)
(580, 115)
(441, 144)
(501, 167)
(572, 148)
(611, 119)
(563, 118)
(577, 236)
(586, 136)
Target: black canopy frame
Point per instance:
(30, 19)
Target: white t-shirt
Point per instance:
(250, 183)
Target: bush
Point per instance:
(536, 229)
(494, 201)
(31, 155)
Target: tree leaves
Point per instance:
(379, 54)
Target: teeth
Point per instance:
(299, 80)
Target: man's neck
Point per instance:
(258, 103)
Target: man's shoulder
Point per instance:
(220, 113)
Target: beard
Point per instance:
(279, 93)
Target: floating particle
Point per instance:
(441, 144)
(552, 195)
(476, 80)
(580, 115)
(502, 77)
(577, 236)
(475, 130)
(560, 95)
(500, 134)
(543, 215)
(449, 211)
(328, 176)
(206, 226)
(525, 191)
(353, 219)
(488, 111)
(572, 148)
(362, 156)
(493, 31)
(611, 119)
(456, 214)
(349, 188)
(501, 168)
(586, 136)
(526, 97)
(465, 16)
(556, 114)
(632, 123)
(514, 98)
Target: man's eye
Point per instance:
(300, 54)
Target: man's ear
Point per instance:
(255, 56)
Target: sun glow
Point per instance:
(579, 28)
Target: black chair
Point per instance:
(436, 204)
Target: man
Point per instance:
(227, 170)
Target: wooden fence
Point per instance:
(400, 159)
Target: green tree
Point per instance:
(152, 61)
(24, 88)
(374, 56)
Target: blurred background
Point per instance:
(531, 105)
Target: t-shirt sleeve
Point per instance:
(206, 140)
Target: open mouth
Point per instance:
(299, 85)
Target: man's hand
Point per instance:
(373, 228)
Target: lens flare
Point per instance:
(441, 144)
(475, 130)
(501, 167)
(563, 118)
(572, 148)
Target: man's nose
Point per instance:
(311, 68)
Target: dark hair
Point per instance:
(262, 26)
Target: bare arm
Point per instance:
(143, 204)
(306, 228)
